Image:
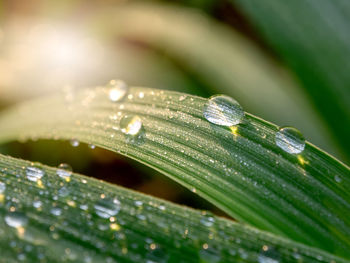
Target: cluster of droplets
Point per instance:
(130, 125)
(108, 216)
(225, 111)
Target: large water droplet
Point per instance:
(34, 173)
(64, 171)
(223, 110)
(16, 219)
(107, 208)
(131, 124)
(290, 140)
(117, 90)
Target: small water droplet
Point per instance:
(2, 187)
(91, 146)
(141, 217)
(290, 140)
(141, 95)
(138, 203)
(56, 211)
(74, 142)
(117, 90)
(107, 208)
(337, 178)
(37, 204)
(16, 219)
(268, 255)
(223, 110)
(207, 220)
(64, 171)
(131, 125)
(34, 173)
(182, 97)
(84, 207)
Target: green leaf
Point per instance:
(80, 219)
(239, 169)
(311, 37)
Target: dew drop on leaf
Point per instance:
(138, 203)
(107, 208)
(223, 110)
(34, 173)
(290, 140)
(268, 255)
(37, 204)
(337, 178)
(131, 125)
(209, 255)
(16, 219)
(64, 171)
(2, 187)
(91, 146)
(74, 142)
(207, 220)
(56, 211)
(117, 90)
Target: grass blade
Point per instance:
(56, 219)
(240, 169)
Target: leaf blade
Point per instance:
(241, 171)
(145, 228)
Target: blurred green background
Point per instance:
(285, 62)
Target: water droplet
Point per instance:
(16, 219)
(34, 173)
(2, 187)
(223, 110)
(37, 204)
(290, 140)
(117, 90)
(138, 203)
(131, 125)
(268, 255)
(91, 146)
(337, 178)
(107, 208)
(74, 142)
(84, 207)
(182, 97)
(56, 211)
(207, 220)
(64, 171)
